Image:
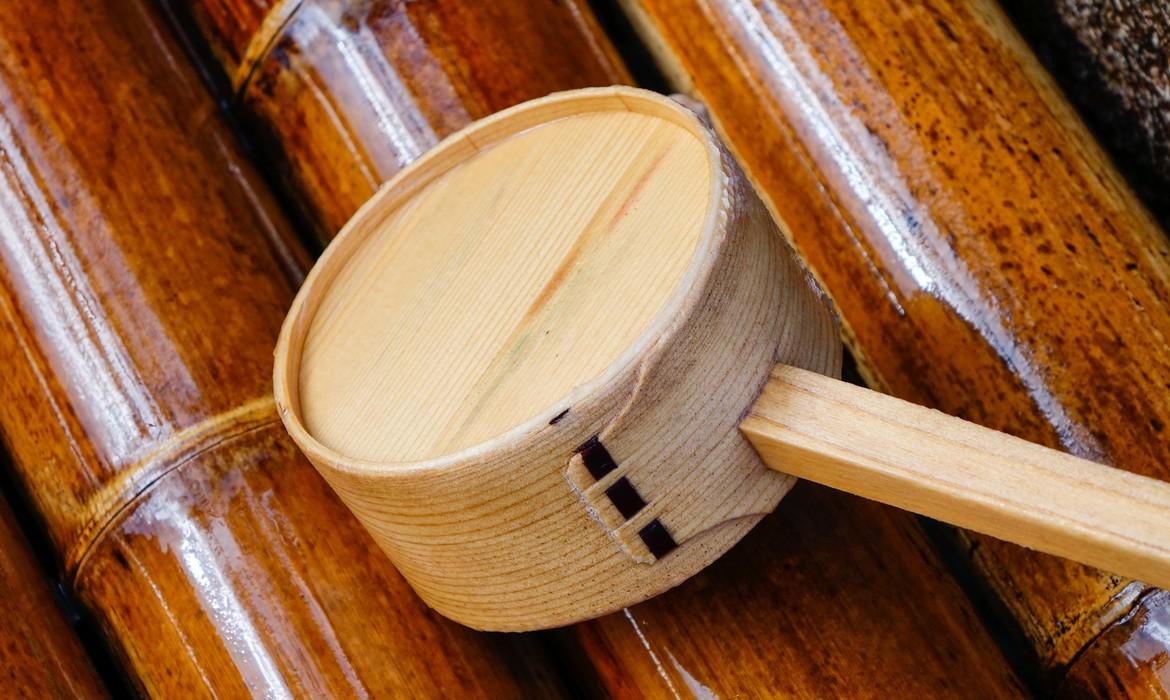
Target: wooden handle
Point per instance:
(925, 461)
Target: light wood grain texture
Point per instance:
(474, 312)
(625, 476)
(925, 461)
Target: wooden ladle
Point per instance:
(566, 360)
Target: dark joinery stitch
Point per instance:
(625, 497)
(596, 457)
(657, 539)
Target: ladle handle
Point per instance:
(925, 461)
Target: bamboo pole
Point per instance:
(144, 273)
(40, 655)
(985, 257)
(340, 95)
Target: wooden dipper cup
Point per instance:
(552, 366)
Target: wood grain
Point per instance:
(40, 657)
(466, 325)
(985, 257)
(604, 243)
(1112, 59)
(554, 276)
(144, 273)
(922, 460)
(819, 646)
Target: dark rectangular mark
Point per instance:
(557, 418)
(657, 539)
(597, 459)
(625, 498)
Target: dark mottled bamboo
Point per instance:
(144, 273)
(1112, 59)
(40, 657)
(809, 604)
(984, 255)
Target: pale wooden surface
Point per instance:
(503, 285)
(925, 461)
(496, 519)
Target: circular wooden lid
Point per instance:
(498, 287)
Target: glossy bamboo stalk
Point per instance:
(238, 30)
(830, 596)
(40, 657)
(341, 94)
(1129, 660)
(809, 603)
(1112, 59)
(144, 274)
(984, 255)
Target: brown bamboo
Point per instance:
(1112, 59)
(984, 255)
(1129, 659)
(144, 274)
(341, 94)
(238, 29)
(806, 605)
(40, 657)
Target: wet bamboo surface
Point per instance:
(830, 596)
(40, 656)
(340, 94)
(984, 255)
(144, 273)
(1112, 58)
